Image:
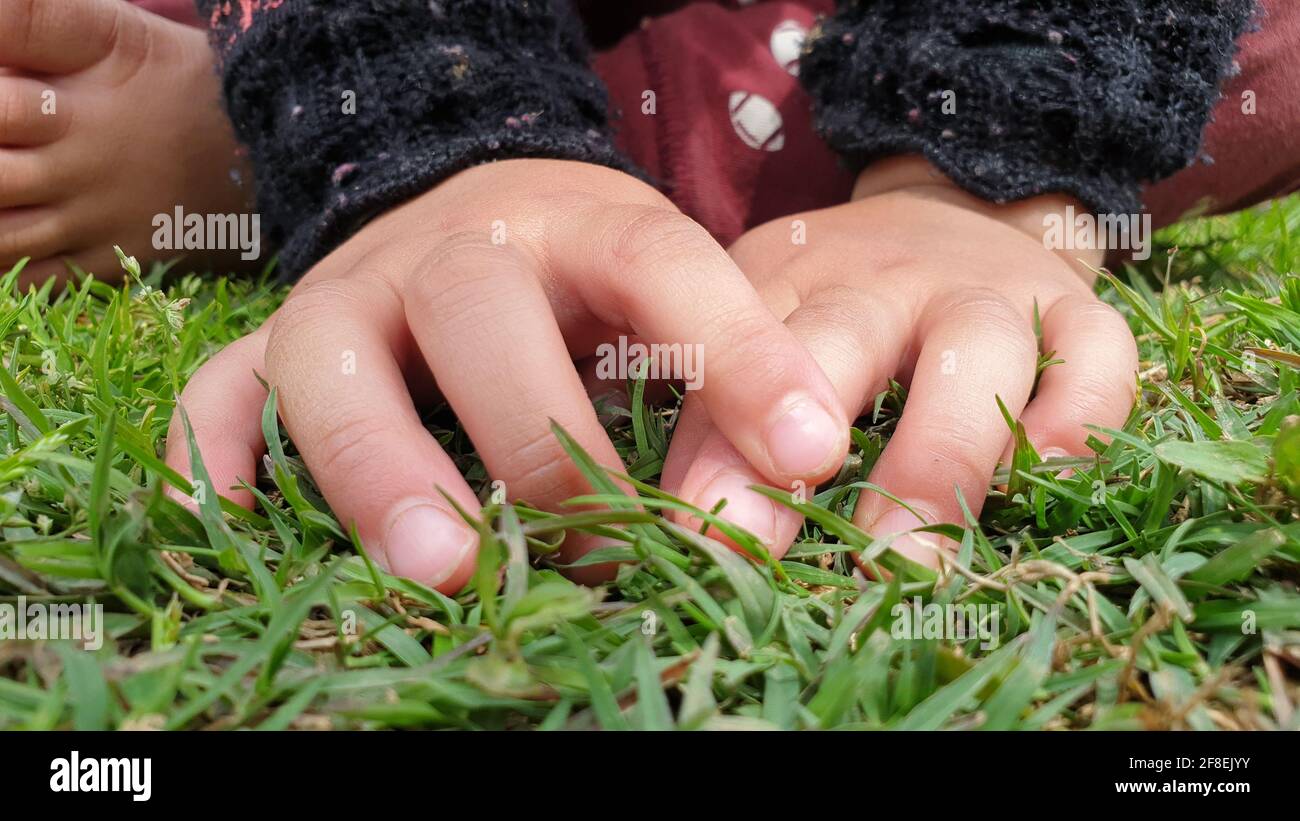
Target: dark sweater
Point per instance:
(436, 87)
(1087, 97)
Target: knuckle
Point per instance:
(463, 261)
(994, 313)
(540, 472)
(349, 443)
(737, 340)
(1097, 395)
(310, 304)
(1096, 313)
(124, 34)
(457, 246)
(456, 302)
(985, 303)
(954, 450)
(313, 308)
(845, 308)
(650, 234)
(1113, 325)
(455, 273)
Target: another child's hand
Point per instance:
(493, 284)
(110, 116)
(920, 281)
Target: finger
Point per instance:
(30, 113)
(333, 358)
(27, 177)
(482, 319)
(975, 351)
(858, 343)
(719, 476)
(38, 232)
(60, 36)
(660, 275)
(224, 401)
(1095, 383)
(689, 433)
(37, 272)
(93, 259)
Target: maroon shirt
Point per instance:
(728, 130)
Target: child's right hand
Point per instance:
(921, 281)
(582, 254)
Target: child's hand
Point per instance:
(917, 280)
(493, 283)
(109, 116)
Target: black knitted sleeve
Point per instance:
(1014, 98)
(349, 108)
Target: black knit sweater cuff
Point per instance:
(350, 108)
(1012, 99)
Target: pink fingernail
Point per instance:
(424, 543)
(922, 548)
(745, 508)
(182, 498)
(804, 440)
(1058, 453)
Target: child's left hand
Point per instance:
(918, 280)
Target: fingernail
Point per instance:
(426, 544)
(745, 508)
(804, 440)
(922, 548)
(1058, 453)
(182, 498)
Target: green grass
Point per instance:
(1155, 587)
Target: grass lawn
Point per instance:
(1154, 587)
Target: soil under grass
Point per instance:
(1155, 586)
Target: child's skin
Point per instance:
(71, 181)
(918, 280)
(888, 284)
(590, 253)
(593, 253)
